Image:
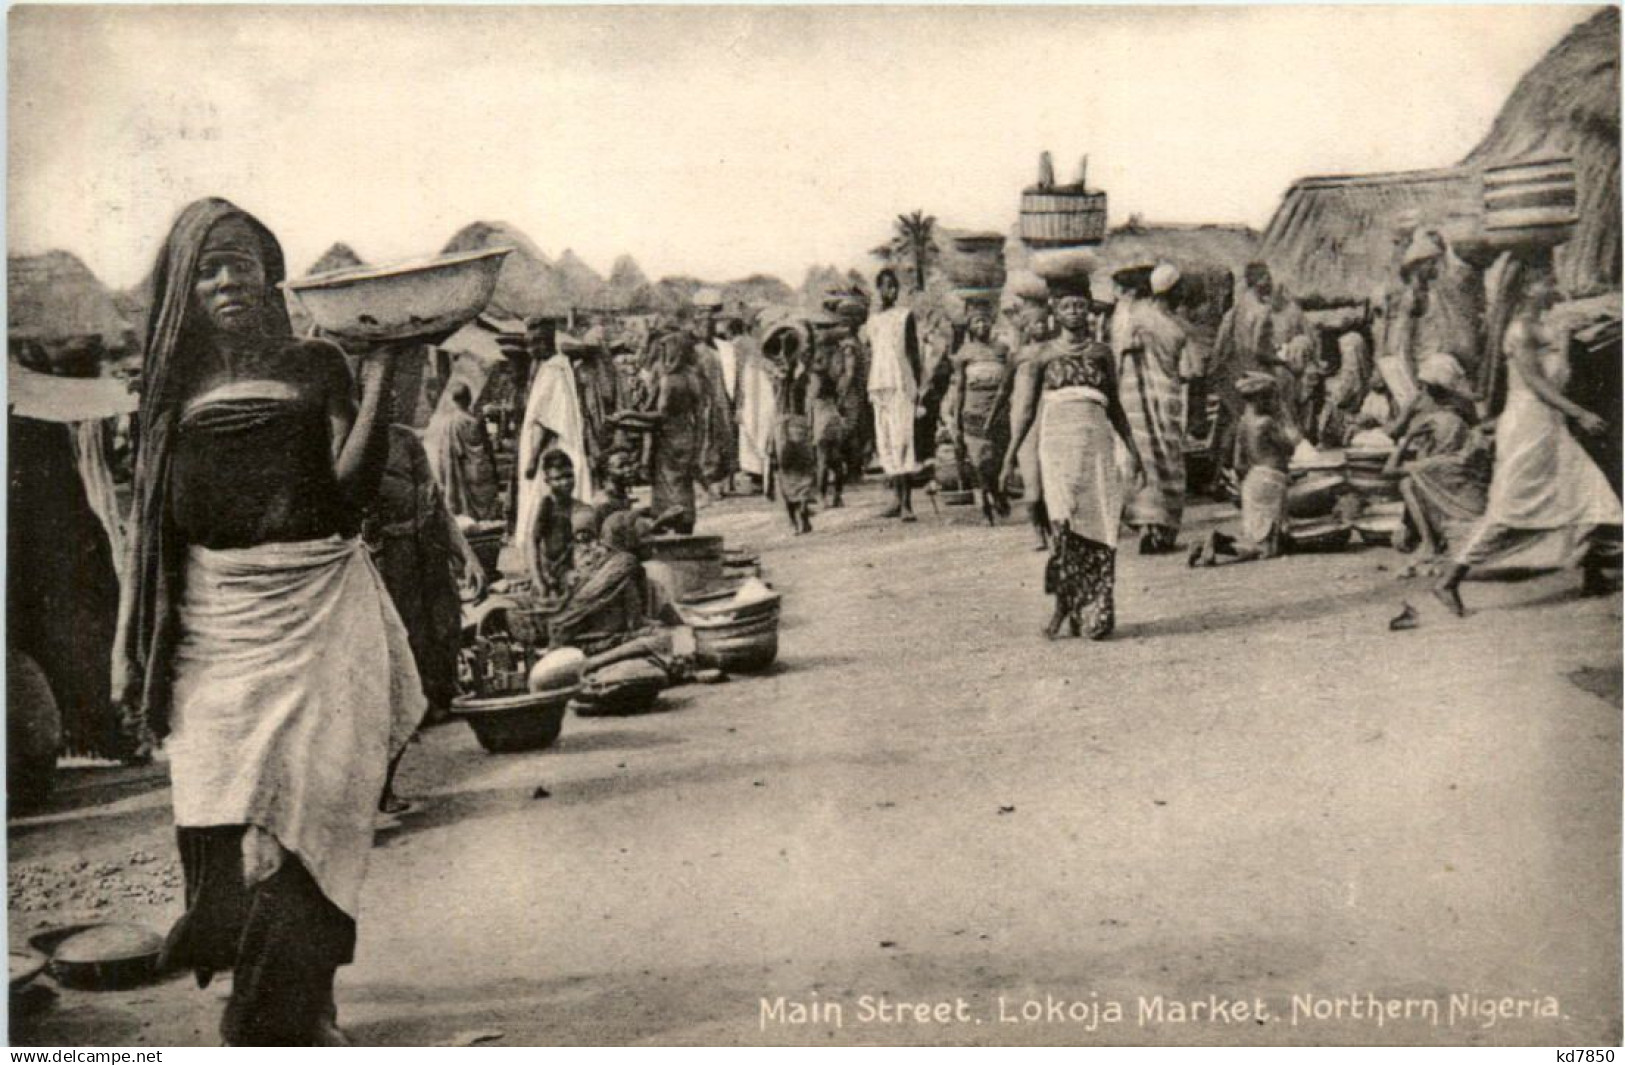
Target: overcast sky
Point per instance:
(717, 141)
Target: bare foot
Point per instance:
(892, 511)
(329, 1034)
(1451, 599)
(908, 516)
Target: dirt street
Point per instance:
(1254, 792)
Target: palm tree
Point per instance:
(914, 240)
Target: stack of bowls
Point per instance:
(739, 634)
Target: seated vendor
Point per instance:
(620, 468)
(614, 612)
(1263, 451)
(1376, 413)
(1438, 420)
(555, 524)
(1444, 460)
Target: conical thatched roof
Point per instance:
(626, 274)
(1569, 105)
(628, 288)
(528, 285)
(676, 294)
(1333, 237)
(55, 295)
(339, 257)
(757, 290)
(584, 286)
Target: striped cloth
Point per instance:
(1154, 399)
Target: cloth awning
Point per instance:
(48, 398)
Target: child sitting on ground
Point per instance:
(1263, 450)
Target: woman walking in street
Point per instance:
(1030, 331)
(980, 366)
(1547, 497)
(1155, 363)
(1081, 421)
(256, 634)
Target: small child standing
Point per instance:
(1263, 450)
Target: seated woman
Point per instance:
(1441, 385)
(614, 612)
(1446, 465)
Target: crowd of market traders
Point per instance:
(279, 508)
(1119, 392)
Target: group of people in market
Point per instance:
(1082, 409)
(1104, 389)
(281, 509)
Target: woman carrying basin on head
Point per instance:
(256, 634)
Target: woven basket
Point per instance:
(1535, 195)
(1063, 215)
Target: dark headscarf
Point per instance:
(175, 339)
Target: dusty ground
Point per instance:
(1255, 791)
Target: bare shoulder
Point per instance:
(318, 363)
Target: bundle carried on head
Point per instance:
(1026, 285)
(1064, 264)
(973, 260)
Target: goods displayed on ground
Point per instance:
(621, 688)
(1335, 492)
(520, 709)
(738, 632)
(522, 722)
(516, 694)
(683, 565)
(100, 957)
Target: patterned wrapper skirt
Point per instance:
(1081, 575)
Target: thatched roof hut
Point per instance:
(528, 284)
(339, 257)
(1568, 104)
(1332, 239)
(54, 295)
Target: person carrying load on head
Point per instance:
(254, 467)
(1154, 366)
